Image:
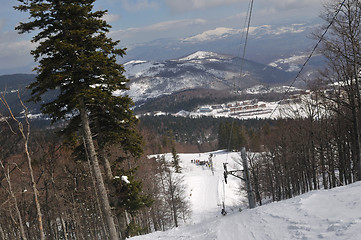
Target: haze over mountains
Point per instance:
(266, 43)
(212, 60)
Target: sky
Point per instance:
(137, 21)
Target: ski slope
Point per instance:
(323, 214)
(207, 190)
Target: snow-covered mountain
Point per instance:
(203, 70)
(266, 43)
(323, 214)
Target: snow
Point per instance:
(134, 62)
(209, 35)
(201, 55)
(222, 32)
(290, 64)
(140, 68)
(125, 179)
(261, 110)
(322, 214)
(204, 190)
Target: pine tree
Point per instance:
(77, 58)
(176, 159)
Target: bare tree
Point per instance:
(342, 47)
(15, 201)
(25, 133)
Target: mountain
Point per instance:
(177, 84)
(15, 81)
(14, 86)
(199, 70)
(322, 214)
(10, 85)
(266, 43)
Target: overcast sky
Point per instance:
(136, 21)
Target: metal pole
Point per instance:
(246, 176)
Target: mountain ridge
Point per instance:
(199, 70)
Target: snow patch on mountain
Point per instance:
(277, 30)
(261, 89)
(203, 55)
(138, 68)
(258, 31)
(289, 64)
(201, 69)
(213, 34)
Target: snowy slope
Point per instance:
(206, 191)
(201, 69)
(324, 214)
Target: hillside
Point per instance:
(183, 83)
(10, 85)
(200, 70)
(323, 214)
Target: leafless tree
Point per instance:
(25, 134)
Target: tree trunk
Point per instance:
(21, 224)
(25, 134)
(36, 193)
(107, 165)
(103, 195)
(63, 226)
(174, 208)
(92, 173)
(357, 107)
(2, 233)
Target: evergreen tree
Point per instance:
(76, 57)
(231, 136)
(175, 161)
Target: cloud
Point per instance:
(111, 17)
(157, 30)
(186, 5)
(282, 5)
(278, 5)
(2, 23)
(137, 5)
(15, 54)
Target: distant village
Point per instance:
(238, 108)
(252, 107)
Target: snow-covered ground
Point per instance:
(323, 214)
(206, 190)
(261, 110)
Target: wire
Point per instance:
(248, 23)
(309, 57)
(247, 27)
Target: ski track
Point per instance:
(325, 214)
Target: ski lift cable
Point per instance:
(247, 23)
(245, 31)
(236, 87)
(249, 16)
(308, 58)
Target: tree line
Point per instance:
(150, 198)
(88, 178)
(318, 145)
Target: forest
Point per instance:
(88, 176)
